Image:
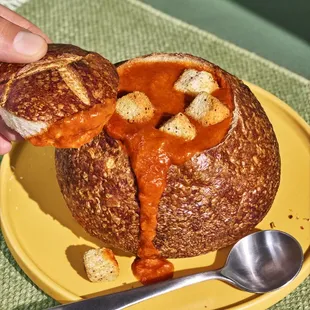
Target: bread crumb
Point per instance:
(101, 265)
(272, 225)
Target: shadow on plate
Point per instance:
(75, 255)
(34, 169)
(219, 262)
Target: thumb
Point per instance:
(18, 44)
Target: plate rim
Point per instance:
(63, 295)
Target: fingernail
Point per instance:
(28, 43)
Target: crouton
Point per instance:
(180, 126)
(101, 265)
(135, 107)
(193, 82)
(207, 109)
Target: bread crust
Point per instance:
(65, 81)
(211, 201)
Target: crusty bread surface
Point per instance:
(66, 81)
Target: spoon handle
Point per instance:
(130, 297)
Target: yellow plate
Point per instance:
(48, 244)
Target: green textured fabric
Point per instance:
(120, 29)
(268, 30)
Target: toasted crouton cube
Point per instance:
(135, 107)
(180, 126)
(193, 82)
(101, 265)
(207, 109)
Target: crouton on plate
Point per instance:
(101, 265)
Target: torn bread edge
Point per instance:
(21, 125)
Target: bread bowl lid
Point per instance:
(67, 73)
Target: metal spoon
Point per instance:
(261, 262)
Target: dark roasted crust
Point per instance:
(99, 188)
(38, 92)
(211, 201)
(59, 50)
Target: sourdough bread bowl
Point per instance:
(211, 198)
(63, 100)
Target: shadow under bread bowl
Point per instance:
(160, 196)
(62, 100)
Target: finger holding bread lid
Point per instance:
(55, 94)
(20, 42)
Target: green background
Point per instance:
(278, 30)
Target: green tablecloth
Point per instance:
(120, 29)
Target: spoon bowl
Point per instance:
(261, 262)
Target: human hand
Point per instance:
(20, 42)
